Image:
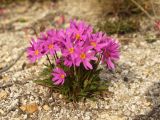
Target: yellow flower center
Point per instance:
(62, 76)
(36, 52)
(83, 56)
(71, 50)
(78, 36)
(93, 44)
(50, 46)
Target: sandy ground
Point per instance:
(135, 84)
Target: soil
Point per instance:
(134, 92)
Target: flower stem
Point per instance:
(49, 60)
(98, 62)
(75, 73)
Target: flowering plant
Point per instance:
(74, 55)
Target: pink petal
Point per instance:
(88, 65)
(58, 82)
(110, 64)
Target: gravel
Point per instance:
(134, 92)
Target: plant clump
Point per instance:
(74, 55)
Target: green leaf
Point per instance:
(46, 82)
(86, 83)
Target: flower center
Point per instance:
(93, 44)
(50, 46)
(78, 36)
(108, 54)
(62, 76)
(83, 56)
(71, 50)
(36, 52)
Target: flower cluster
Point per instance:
(76, 45)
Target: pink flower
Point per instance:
(58, 76)
(69, 52)
(77, 45)
(49, 41)
(58, 61)
(50, 46)
(51, 33)
(35, 51)
(79, 30)
(68, 61)
(85, 55)
(111, 53)
(96, 42)
(60, 38)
